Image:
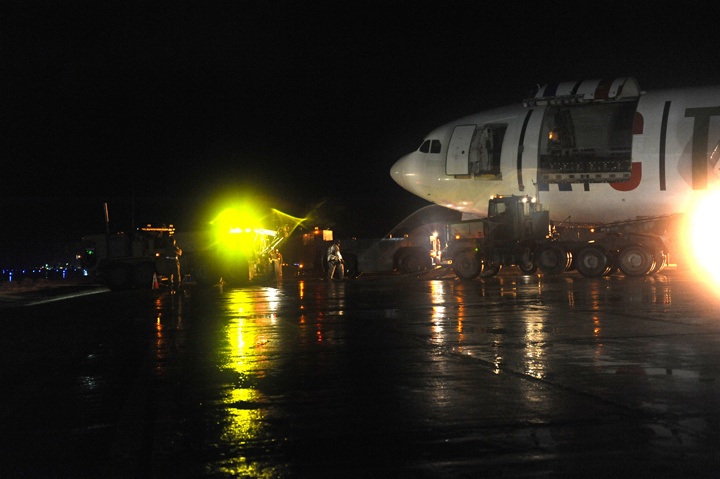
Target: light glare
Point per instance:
(704, 232)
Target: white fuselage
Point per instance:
(672, 147)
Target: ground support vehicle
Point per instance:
(122, 261)
(125, 262)
(243, 255)
(304, 252)
(360, 255)
(411, 247)
(401, 255)
(517, 232)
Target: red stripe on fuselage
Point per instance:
(633, 182)
(603, 90)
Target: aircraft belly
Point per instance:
(604, 204)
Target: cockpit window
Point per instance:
(430, 146)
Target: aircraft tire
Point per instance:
(466, 264)
(414, 262)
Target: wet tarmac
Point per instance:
(514, 376)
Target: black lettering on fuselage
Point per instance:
(521, 148)
(701, 131)
(663, 142)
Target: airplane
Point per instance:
(593, 151)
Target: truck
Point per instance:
(518, 232)
(235, 256)
(233, 248)
(123, 261)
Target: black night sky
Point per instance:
(158, 108)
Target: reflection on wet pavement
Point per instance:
(514, 376)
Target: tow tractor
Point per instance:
(517, 232)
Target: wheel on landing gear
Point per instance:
(414, 261)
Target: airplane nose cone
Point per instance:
(411, 172)
(403, 172)
(396, 171)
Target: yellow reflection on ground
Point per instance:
(535, 343)
(437, 292)
(437, 320)
(249, 333)
(244, 418)
(461, 334)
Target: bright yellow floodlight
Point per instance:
(235, 229)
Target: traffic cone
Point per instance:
(155, 284)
